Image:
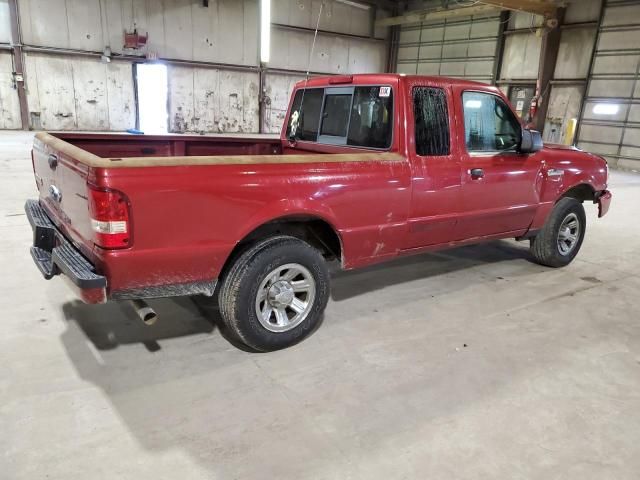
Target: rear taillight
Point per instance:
(110, 220)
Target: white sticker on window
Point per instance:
(384, 91)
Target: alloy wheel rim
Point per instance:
(285, 297)
(568, 234)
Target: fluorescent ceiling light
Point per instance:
(361, 6)
(473, 104)
(606, 108)
(265, 30)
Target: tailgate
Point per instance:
(62, 185)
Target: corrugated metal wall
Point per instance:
(464, 47)
(521, 57)
(217, 92)
(467, 48)
(611, 114)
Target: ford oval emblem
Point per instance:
(55, 193)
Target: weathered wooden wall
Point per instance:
(9, 106)
(210, 100)
(278, 88)
(217, 92)
(82, 93)
(225, 31)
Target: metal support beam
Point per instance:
(546, 8)
(548, 58)
(392, 49)
(373, 13)
(133, 58)
(294, 28)
(18, 62)
(437, 14)
(393, 42)
(583, 103)
(263, 99)
(497, 64)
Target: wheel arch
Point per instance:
(580, 191)
(311, 228)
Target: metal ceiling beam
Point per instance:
(437, 14)
(384, 4)
(546, 8)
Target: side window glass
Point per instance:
(304, 124)
(371, 123)
(431, 121)
(489, 124)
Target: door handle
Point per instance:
(53, 161)
(476, 173)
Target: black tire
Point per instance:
(546, 248)
(239, 290)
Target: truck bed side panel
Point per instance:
(186, 220)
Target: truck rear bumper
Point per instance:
(54, 255)
(604, 200)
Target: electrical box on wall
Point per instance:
(134, 40)
(520, 97)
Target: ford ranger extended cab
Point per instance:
(367, 168)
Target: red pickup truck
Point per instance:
(367, 168)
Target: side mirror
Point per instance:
(531, 141)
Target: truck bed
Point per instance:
(123, 145)
(187, 212)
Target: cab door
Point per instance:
(435, 167)
(500, 191)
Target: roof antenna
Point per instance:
(306, 78)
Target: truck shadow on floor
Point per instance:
(346, 285)
(115, 323)
(201, 395)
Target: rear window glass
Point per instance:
(356, 116)
(335, 118)
(305, 124)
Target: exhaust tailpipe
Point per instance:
(147, 314)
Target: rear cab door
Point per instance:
(435, 164)
(500, 186)
(362, 116)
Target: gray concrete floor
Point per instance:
(468, 364)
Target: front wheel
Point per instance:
(559, 241)
(274, 294)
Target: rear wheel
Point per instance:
(274, 294)
(559, 241)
